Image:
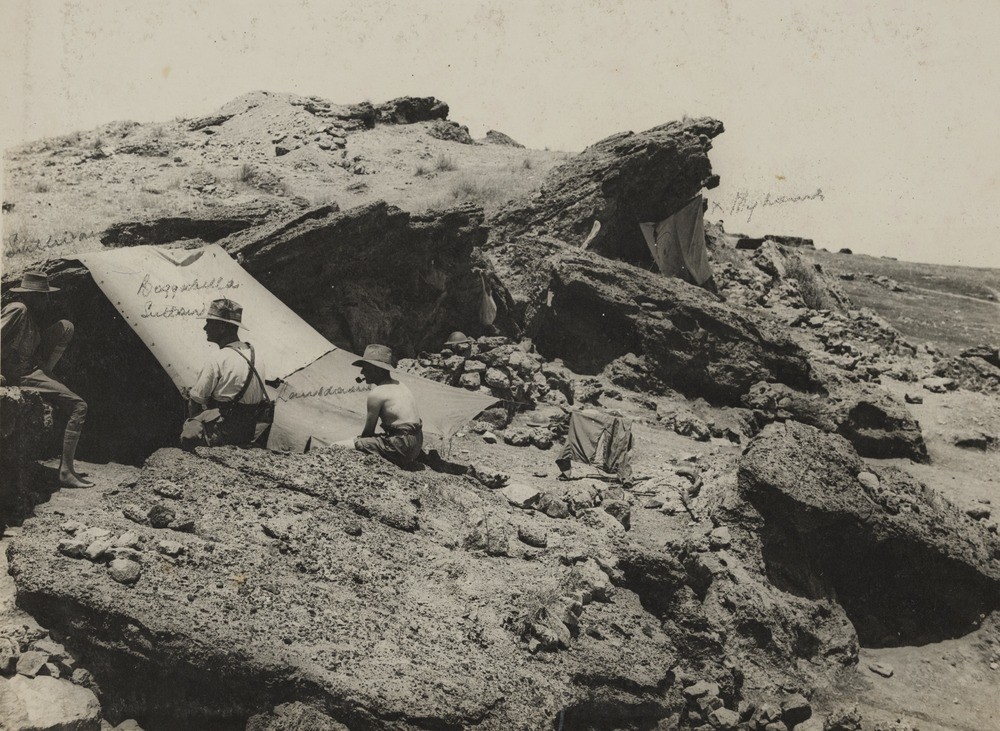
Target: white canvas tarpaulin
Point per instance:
(325, 402)
(163, 294)
(677, 243)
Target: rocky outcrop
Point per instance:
(331, 588)
(349, 117)
(411, 109)
(907, 566)
(493, 137)
(619, 181)
(450, 132)
(376, 274)
(651, 332)
(27, 433)
(335, 580)
(753, 242)
(208, 228)
(876, 423)
(213, 120)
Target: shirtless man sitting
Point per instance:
(392, 403)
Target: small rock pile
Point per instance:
(326, 136)
(512, 372)
(31, 652)
(883, 281)
(553, 624)
(776, 279)
(121, 554)
(734, 424)
(859, 343)
(976, 369)
(706, 708)
(578, 499)
(42, 687)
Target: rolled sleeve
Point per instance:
(204, 385)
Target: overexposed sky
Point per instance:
(890, 108)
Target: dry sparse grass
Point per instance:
(488, 190)
(245, 173)
(812, 290)
(321, 199)
(444, 163)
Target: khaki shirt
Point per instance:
(19, 341)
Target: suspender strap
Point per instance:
(252, 374)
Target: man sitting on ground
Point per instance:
(228, 402)
(392, 403)
(28, 356)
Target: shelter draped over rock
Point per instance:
(163, 295)
(677, 243)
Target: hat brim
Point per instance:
(38, 291)
(231, 322)
(375, 363)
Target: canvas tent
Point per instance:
(677, 243)
(163, 294)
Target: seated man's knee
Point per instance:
(60, 332)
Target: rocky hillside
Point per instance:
(811, 488)
(279, 152)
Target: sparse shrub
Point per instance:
(98, 143)
(147, 202)
(156, 132)
(40, 187)
(420, 171)
(321, 199)
(810, 288)
(246, 173)
(527, 165)
(488, 191)
(444, 162)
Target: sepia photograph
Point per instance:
(587, 365)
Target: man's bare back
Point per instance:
(393, 404)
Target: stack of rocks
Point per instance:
(510, 371)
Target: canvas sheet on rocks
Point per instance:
(324, 402)
(164, 294)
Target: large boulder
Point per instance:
(410, 109)
(714, 601)
(208, 226)
(336, 580)
(45, 703)
(377, 274)
(650, 331)
(907, 566)
(27, 432)
(620, 181)
(332, 588)
(875, 422)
